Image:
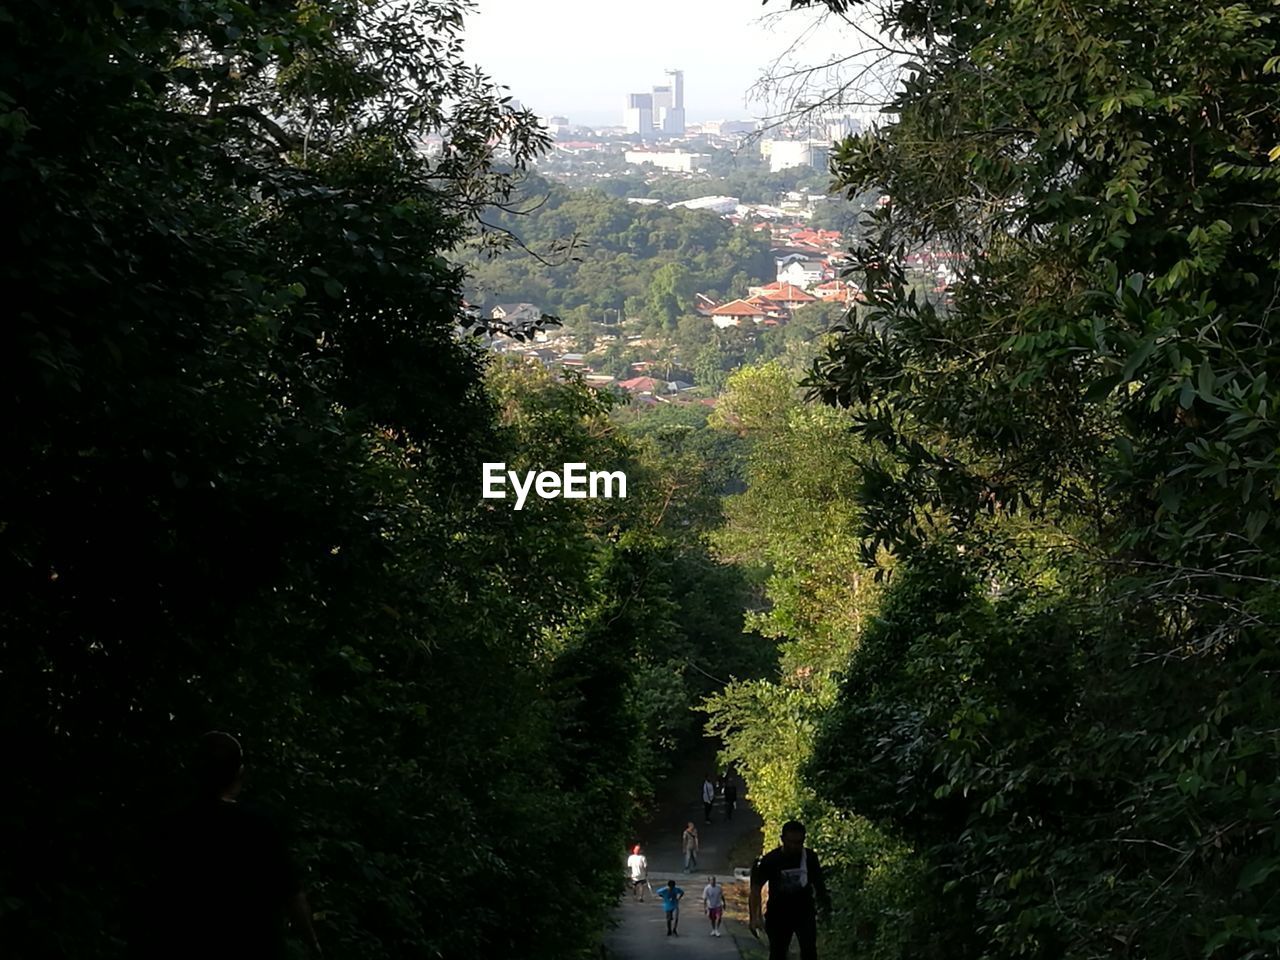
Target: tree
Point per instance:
(669, 293)
(796, 527)
(590, 250)
(1063, 709)
(798, 341)
(709, 365)
(241, 486)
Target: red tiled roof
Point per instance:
(837, 290)
(738, 308)
(787, 293)
(641, 384)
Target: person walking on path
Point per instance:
(708, 796)
(224, 879)
(713, 899)
(671, 895)
(730, 796)
(689, 846)
(793, 875)
(638, 872)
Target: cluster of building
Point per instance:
(659, 115)
(659, 112)
(640, 382)
(809, 264)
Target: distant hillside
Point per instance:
(620, 246)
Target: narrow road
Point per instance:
(641, 932)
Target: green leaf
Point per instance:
(1137, 359)
(1256, 871)
(1205, 380)
(1187, 395)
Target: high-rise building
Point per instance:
(661, 110)
(782, 154)
(677, 87)
(662, 103)
(638, 117)
(673, 119)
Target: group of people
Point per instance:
(726, 787)
(238, 881)
(671, 894)
(792, 874)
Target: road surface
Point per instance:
(641, 932)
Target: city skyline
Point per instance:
(659, 112)
(585, 63)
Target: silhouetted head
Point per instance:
(671, 884)
(219, 764)
(793, 836)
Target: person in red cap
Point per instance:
(638, 872)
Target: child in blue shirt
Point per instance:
(671, 895)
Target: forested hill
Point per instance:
(242, 491)
(618, 250)
(991, 601)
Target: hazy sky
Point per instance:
(582, 57)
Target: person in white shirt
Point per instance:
(638, 872)
(713, 898)
(708, 796)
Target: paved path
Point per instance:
(641, 931)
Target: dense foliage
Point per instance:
(241, 490)
(798, 526)
(627, 259)
(1063, 710)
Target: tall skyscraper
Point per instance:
(661, 111)
(639, 114)
(662, 103)
(673, 119)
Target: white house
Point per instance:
(734, 312)
(514, 313)
(803, 273)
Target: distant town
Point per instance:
(655, 144)
(654, 131)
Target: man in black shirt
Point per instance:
(730, 796)
(227, 877)
(793, 875)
